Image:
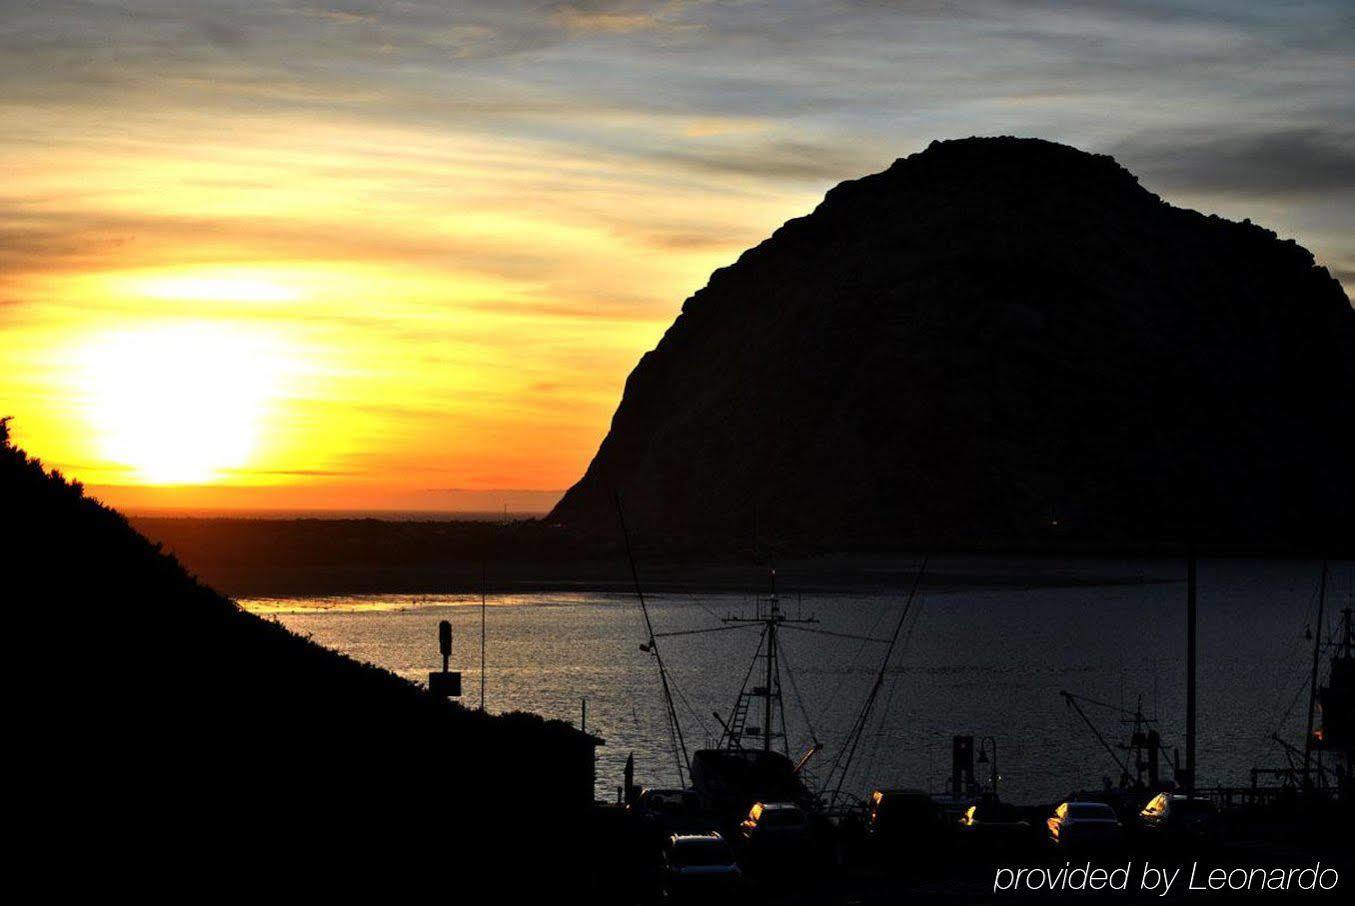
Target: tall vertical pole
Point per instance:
(771, 662)
(1191, 441)
(484, 581)
(1191, 621)
(1312, 689)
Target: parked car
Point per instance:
(901, 815)
(699, 867)
(991, 825)
(776, 827)
(903, 820)
(1089, 824)
(952, 808)
(670, 811)
(1180, 818)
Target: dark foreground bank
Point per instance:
(164, 731)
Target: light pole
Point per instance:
(983, 759)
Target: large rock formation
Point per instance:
(995, 342)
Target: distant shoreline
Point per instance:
(316, 557)
(285, 515)
(664, 578)
(699, 581)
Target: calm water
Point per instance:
(978, 660)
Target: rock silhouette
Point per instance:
(993, 343)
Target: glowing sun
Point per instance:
(180, 403)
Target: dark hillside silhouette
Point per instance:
(993, 343)
(168, 723)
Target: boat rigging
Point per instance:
(1140, 766)
(652, 647)
(753, 756)
(772, 619)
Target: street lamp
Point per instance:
(983, 759)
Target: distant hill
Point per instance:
(234, 743)
(993, 343)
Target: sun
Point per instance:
(180, 403)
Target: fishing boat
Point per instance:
(1143, 753)
(751, 761)
(1320, 767)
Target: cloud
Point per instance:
(291, 473)
(1284, 162)
(697, 239)
(608, 16)
(513, 196)
(81, 239)
(773, 159)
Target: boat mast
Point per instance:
(771, 672)
(1312, 689)
(771, 619)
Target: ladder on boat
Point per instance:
(739, 720)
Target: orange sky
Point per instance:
(333, 315)
(344, 255)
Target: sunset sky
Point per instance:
(402, 255)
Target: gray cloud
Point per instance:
(841, 87)
(1287, 162)
(776, 159)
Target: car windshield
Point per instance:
(1193, 807)
(904, 806)
(702, 852)
(782, 817)
(668, 802)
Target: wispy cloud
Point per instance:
(488, 210)
(1289, 162)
